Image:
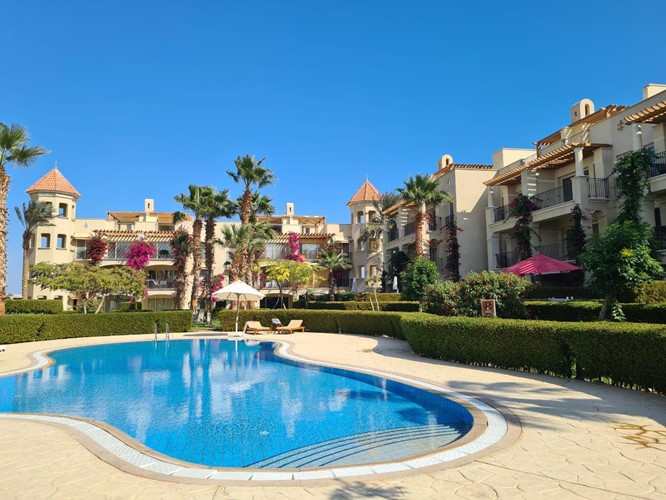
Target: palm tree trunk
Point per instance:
(331, 284)
(4, 191)
(418, 238)
(246, 206)
(26, 272)
(210, 261)
(196, 255)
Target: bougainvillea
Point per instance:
(522, 208)
(216, 283)
(294, 248)
(96, 249)
(139, 253)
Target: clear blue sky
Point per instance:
(139, 99)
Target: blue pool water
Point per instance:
(237, 404)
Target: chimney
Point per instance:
(652, 89)
(581, 109)
(290, 209)
(148, 206)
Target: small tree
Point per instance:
(576, 234)
(397, 264)
(332, 260)
(374, 283)
(508, 290)
(289, 274)
(453, 248)
(441, 298)
(419, 274)
(96, 249)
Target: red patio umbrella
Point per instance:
(540, 264)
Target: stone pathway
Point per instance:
(579, 440)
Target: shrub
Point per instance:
(366, 323)
(631, 355)
(441, 298)
(589, 311)
(538, 291)
(507, 289)
(419, 274)
(28, 328)
(129, 307)
(405, 306)
(33, 306)
(652, 293)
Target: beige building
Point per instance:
(464, 182)
(573, 166)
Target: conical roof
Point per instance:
(54, 181)
(367, 192)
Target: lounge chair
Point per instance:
(255, 327)
(294, 325)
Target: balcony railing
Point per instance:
(448, 220)
(659, 164)
(410, 228)
(507, 259)
(660, 236)
(502, 213)
(152, 284)
(434, 223)
(598, 188)
(393, 234)
(552, 197)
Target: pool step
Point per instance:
(369, 447)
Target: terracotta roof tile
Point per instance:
(367, 192)
(54, 181)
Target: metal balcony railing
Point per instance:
(393, 234)
(552, 197)
(502, 213)
(507, 259)
(152, 284)
(598, 188)
(410, 228)
(659, 164)
(448, 220)
(434, 223)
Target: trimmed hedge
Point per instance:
(403, 306)
(33, 306)
(589, 311)
(632, 355)
(31, 327)
(355, 297)
(546, 292)
(354, 322)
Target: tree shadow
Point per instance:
(358, 489)
(553, 396)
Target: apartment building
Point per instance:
(465, 183)
(572, 166)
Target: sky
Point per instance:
(139, 99)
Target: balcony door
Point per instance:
(567, 190)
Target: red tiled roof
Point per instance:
(367, 192)
(54, 181)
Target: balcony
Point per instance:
(152, 284)
(507, 259)
(559, 251)
(410, 228)
(659, 164)
(660, 236)
(448, 220)
(502, 213)
(434, 223)
(393, 234)
(552, 197)
(598, 188)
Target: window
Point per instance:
(587, 109)
(62, 210)
(361, 271)
(360, 217)
(595, 228)
(61, 241)
(306, 230)
(310, 251)
(81, 251)
(657, 217)
(46, 241)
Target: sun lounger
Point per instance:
(255, 327)
(293, 326)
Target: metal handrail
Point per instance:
(598, 188)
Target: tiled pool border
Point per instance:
(123, 452)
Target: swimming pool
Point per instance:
(235, 404)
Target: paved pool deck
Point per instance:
(576, 439)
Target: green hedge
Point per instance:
(33, 306)
(546, 292)
(403, 306)
(358, 322)
(355, 297)
(626, 354)
(30, 327)
(589, 311)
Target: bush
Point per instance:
(129, 307)
(652, 293)
(28, 328)
(33, 306)
(419, 274)
(366, 323)
(405, 306)
(538, 291)
(441, 298)
(589, 311)
(631, 355)
(351, 297)
(507, 289)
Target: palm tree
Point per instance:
(31, 216)
(181, 248)
(249, 172)
(380, 223)
(194, 202)
(422, 191)
(237, 239)
(262, 232)
(13, 149)
(332, 259)
(216, 205)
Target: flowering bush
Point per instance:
(507, 289)
(441, 298)
(96, 249)
(216, 283)
(416, 277)
(139, 253)
(294, 248)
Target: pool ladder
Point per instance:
(167, 331)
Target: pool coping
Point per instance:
(120, 450)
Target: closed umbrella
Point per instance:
(238, 291)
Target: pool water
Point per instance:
(236, 404)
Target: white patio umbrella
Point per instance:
(395, 284)
(238, 291)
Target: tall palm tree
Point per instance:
(422, 191)
(181, 248)
(380, 223)
(194, 201)
(260, 205)
(249, 172)
(332, 259)
(14, 149)
(216, 205)
(31, 216)
(262, 232)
